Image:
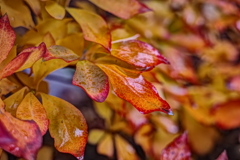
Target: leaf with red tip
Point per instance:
(60, 52)
(92, 79)
(94, 27)
(24, 60)
(227, 114)
(137, 53)
(20, 138)
(7, 37)
(122, 8)
(31, 109)
(67, 126)
(178, 149)
(135, 89)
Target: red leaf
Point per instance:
(92, 79)
(20, 138)
(178, 149)
(24, 60)
(122, 8)
(227, 114)
(135, 89)
(137, 53)
(7, 37)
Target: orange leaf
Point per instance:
(60, 52)
(227, 114)
(7, 86)
(20, 138)
(135, 89)
(67, 126)
(92, 79)
(24, 60)
(177, 150)
(94, 27)
(122, 8)
(31, 109)
(7, 37)
(137, 53)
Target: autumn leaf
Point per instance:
(9, 7)
(227, 114)
(67, 126)
(42, 68)
(7, 86)
(24, 60)
(20, 138)
(60, 52)
(94, 27)
(137, 53)
(7, 37)
(122, 8)
(177, 150)
(55, 10)
(31, 109)
(12, 102)
(124, 149)
(106, 146)
(136, 90)
(35, 6)
(92, 79)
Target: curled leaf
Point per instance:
(94, 27)
(122, 8)
(60, 52)
(7, 37)
(20, 138)
(67, 126)
(135, 89)
(92, 79)
(137, 53)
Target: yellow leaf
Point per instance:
(55, 10)
(12, 102)
(94, 27)
(125, 151)
(105, 146)
(42, 68)
(95, 136)
(16, 20)
(67, 125)
(31, 109)
(48, 39)
(35, 6)
(75, 42)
